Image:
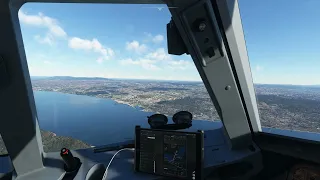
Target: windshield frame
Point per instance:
(18, 95)
(238, 114)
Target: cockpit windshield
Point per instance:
(98, 70)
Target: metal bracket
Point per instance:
(205, 38)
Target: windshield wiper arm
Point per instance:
(114, 146)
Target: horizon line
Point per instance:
(174, 80)
(122, 78)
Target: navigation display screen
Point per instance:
(169, 153)
(174, 155)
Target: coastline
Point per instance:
(135, 106)
(139, 107)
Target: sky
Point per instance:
(129, 41)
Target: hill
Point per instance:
(52, 142)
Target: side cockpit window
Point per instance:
(284, 61)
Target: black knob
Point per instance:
(157, 120)
(71, 163)
(182, 117)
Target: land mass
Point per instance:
(52, 142)
(291, 107)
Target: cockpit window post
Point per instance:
(19, 127)
(230, 23)
(198, 27)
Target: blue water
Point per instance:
(93, 120)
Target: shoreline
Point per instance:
(141, 108)
(119, 101)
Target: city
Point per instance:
(280, 106)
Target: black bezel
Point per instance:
(199, 151)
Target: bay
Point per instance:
(94, 120)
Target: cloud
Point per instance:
(180, 64)
(158, 38)
(48, 39)
(100, 60)
(136, 47)
(91, 45)
(149, 35)
(157, 58)
(155, 39)
(159, 55)
(55, 30)
(40, 20)
(144, 63)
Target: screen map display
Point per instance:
(169, 153)
(174, 155)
